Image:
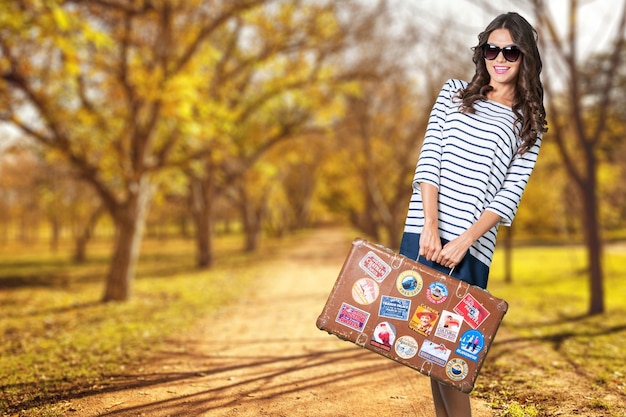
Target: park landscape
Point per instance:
(180, 183)
(200, 344)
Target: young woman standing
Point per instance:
(481, 145)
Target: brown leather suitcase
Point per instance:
(412, 314)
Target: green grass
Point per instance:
(552, 339)
(57, 337)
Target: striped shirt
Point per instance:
(471, 158)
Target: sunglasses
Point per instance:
(510, 53)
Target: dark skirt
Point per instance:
(470, 269)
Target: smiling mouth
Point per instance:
(500, 70)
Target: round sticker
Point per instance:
(409, 283)
(437, 292)
(365, 291)
(457, 369)
(406, 347)
(470, 345)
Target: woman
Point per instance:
(481, 145)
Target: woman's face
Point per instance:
(502, 71)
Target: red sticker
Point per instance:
(375, 266)
(473, 312)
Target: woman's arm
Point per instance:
(454, 251)
(430, 243)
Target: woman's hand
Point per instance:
(454, 251)
(430, 243)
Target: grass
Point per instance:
(58, 339)
(549, 351)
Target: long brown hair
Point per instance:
(528, 101)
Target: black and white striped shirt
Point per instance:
(471, 158)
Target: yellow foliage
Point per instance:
(59, 16)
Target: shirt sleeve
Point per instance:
(507, 199)
(429, 162)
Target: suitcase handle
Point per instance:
(449, 273)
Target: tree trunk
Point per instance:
(508, 255)
(55, 236)
(201, 193)
(252, 217)
(80, 246)
(594, 245)
(129, 219)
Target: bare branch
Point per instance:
(616, 61)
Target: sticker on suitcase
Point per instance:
(365, 291)
(472, 311)
(471, 344)
(352, 317)
(435, 353)
(409, 283)
(423, 320)
(457, 369)
(406, 347)
(384, 336)
(449, 326)
(437, 292)
(375, 266)
(394, 308)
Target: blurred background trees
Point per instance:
(263, 117)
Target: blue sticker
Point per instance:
(471, 343)
(394, 308)
(437, 292)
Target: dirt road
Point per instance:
(263, 356)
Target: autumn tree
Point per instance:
(107, 85)
(578, 136)
(280, 76)
(19, 213)
(370, 167)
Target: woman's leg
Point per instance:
(440, 407)
(450, 402)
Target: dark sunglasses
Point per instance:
(510, 53)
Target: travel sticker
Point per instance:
(409, 283)
(470, 345)
(384, 336)
(457, 369)
(365, 291)
(394, 308)
(352, 317)
(449, 326)
(423, 320)
(437, 292)
(436, 353)
(406, 347)
(472, 311)
(375, 266)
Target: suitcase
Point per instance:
(431, 322)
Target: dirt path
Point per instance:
(263, 356)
